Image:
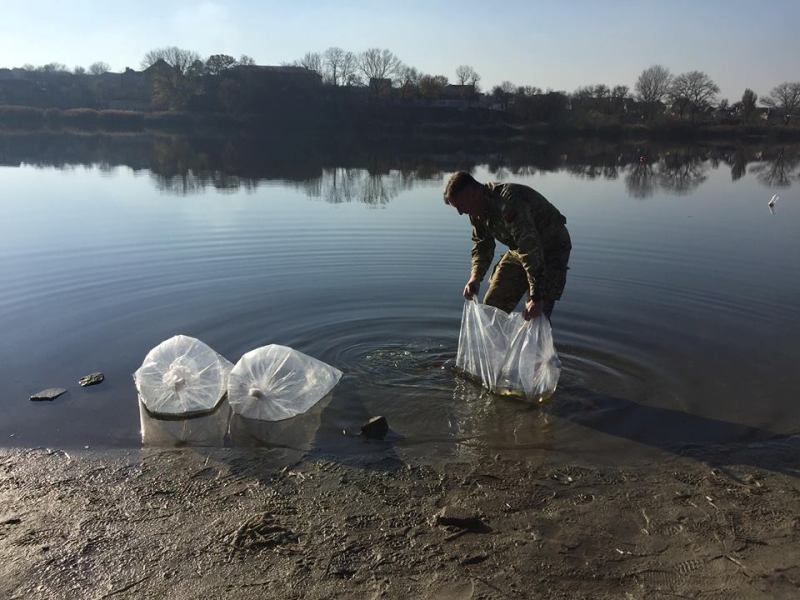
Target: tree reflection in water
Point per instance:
(338, 185)
(779, 170)
(375, 173)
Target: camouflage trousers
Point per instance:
(509, 282)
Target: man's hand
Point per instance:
(471, 288)
(533, 310)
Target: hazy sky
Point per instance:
(550, 44)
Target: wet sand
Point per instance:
(265, 523)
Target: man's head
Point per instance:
(465, 194)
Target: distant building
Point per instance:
(457, 96)
(278, 78)
(454, 92)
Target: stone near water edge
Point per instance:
(48, 394)
(458, 517)
(376, 427)
(91, 379)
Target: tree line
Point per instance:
(687, 93)
(657, 92)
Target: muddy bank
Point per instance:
(190, 523)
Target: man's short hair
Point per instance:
(457, 182)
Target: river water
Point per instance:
(679, 326)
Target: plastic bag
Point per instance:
(507, 353)
(206, 429)
(182, 376)
(274, 382)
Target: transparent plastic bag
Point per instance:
(275, 382)
(206, 429)
(182, 376)
(508, 354)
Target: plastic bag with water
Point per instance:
(182, 377)
(206, 429)
(508, 354)
(275, 382)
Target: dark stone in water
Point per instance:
(48, 394)
(376, 427)
(91, 379)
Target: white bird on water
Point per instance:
(771, 203)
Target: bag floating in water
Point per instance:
(182, 376)
(507, 353)
(275, 382)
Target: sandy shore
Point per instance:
(197, 523)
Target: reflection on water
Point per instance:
(778, 171)
(374, 174)
(357, 185)
(207, 429)
(222, 427)
(677, 173)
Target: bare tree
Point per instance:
(245, 60)
(653, 84)
(347, 69)
(619, 92)
(507, 87)
(179, 59)
(79, 70)
(601, 91)
(503, 93)
(53, 67)
(694, 89)
(408, 76)
(378, 64)
(466, 75)
(785, 96)
(311, 61)
(749, 99)
(332, 60)
(98, 68)
(217, 63)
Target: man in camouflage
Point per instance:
(535, 233)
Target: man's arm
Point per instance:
(482, 251)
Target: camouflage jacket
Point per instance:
(522, 219)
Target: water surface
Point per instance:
(678, 327)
